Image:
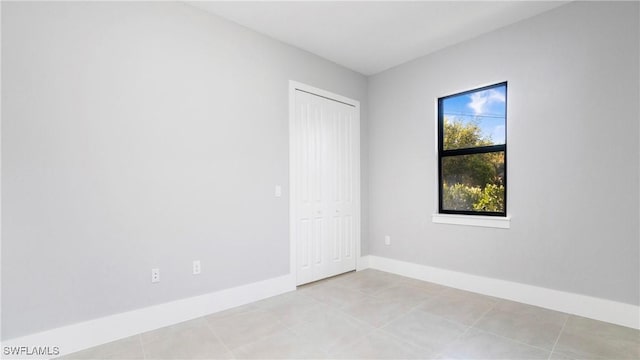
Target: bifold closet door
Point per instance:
(324, 141)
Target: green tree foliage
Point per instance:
(471, 182)
(491, 199)
(458, 135)
(460, 196)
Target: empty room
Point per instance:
(320, 180)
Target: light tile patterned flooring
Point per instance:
(373, 314)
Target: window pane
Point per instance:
(473, 182)
(475, 119)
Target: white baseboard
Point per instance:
(362, 263)
(91, 333)
(587, 306)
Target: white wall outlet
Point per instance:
(278, 191)
(155, 275)
(387, 240)
(196, 267)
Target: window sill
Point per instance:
(472, 220)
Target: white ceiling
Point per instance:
(372, 36)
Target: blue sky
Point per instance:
(487, 108)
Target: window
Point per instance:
(472, 152)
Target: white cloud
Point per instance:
(482, 99)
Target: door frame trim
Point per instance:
(293, 86)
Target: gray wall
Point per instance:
(140, 135)
(572, 151)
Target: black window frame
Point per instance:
(442, 153)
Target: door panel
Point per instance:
(324, 172)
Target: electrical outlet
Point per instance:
(196, 267)
(387, 240)
(278, 191)
(155, 275)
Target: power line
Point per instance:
(475, 115)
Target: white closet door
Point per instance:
(325, 175)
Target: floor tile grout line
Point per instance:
(483, 315)
(404, 340)
(328, 303)
(297, 334)
(558, 338)
(358, 338)
(404, 314)
(512, 340)
(379, 326)
(373, 329)
(341, 311)
(273, 334)
(259, 309)
(427, 299)
(206, 321)
(440, 317)
(489, 332)
(262, 337)
(285, 326)
(468, 328)
(144, 353)
(415, 308)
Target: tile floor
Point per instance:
(372, 314)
